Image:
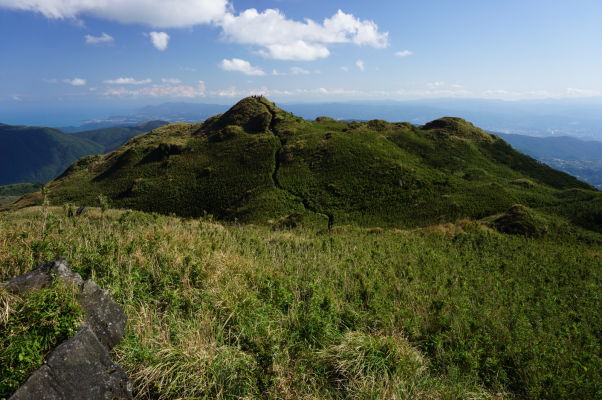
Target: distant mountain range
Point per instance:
(40, 154)
(43, 159)
(580, 158)
(567, 117)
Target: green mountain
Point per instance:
(113, 137)
(37, 154)
(258, 163)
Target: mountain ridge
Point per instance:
(259, 163)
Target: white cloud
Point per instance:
(404, 53)
(159, 40)
(583, 92)
(276, 36)
(186, 91)
(435, 85)
(296, 51)
(16, 97)
(360, 65)
(232, 91)
(127, 81)
(299, 71)
(236, 64)
(172, 81)
(157, 13)
(75, 81)
(103, 38)
(345, 68)
(286, 39)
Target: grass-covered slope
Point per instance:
(257, 163)
(36, 154)
(11, 193)
(231, 311)
(113, 137)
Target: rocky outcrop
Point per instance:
(81, 367)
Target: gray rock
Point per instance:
(32, 280)
(103, 315)
(80, 368)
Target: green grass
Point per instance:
(31, 326)
(230, 311)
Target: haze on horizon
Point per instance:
(94, 56)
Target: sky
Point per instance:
(105, 55)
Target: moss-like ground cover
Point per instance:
(229, 311)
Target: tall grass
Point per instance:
(226, 311)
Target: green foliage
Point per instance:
(31, 326)
(240, 311)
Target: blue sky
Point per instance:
(95, 55)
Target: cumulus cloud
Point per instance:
(103, 38)
(127, 81)
(75, 81)
(184, 91)
(275, 35)
(160, 40)
(157, 13)
(360, 65)
(285, 39)
(238, 65)
(173, 81)
(404, 53)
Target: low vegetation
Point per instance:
(275, 258)
(31, 326)
(229, 311)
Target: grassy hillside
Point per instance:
(258, 163)
(35, 154)
(113, 137)
(11, 193)
(229, 311)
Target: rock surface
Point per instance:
(79, 368)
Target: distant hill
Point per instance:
(10, 193)
(37, 154)
(259, 163)
(573, 117)
(40, 154)
(561, 147)
(580, 158)
(113, 137)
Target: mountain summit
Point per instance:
(259, 163)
